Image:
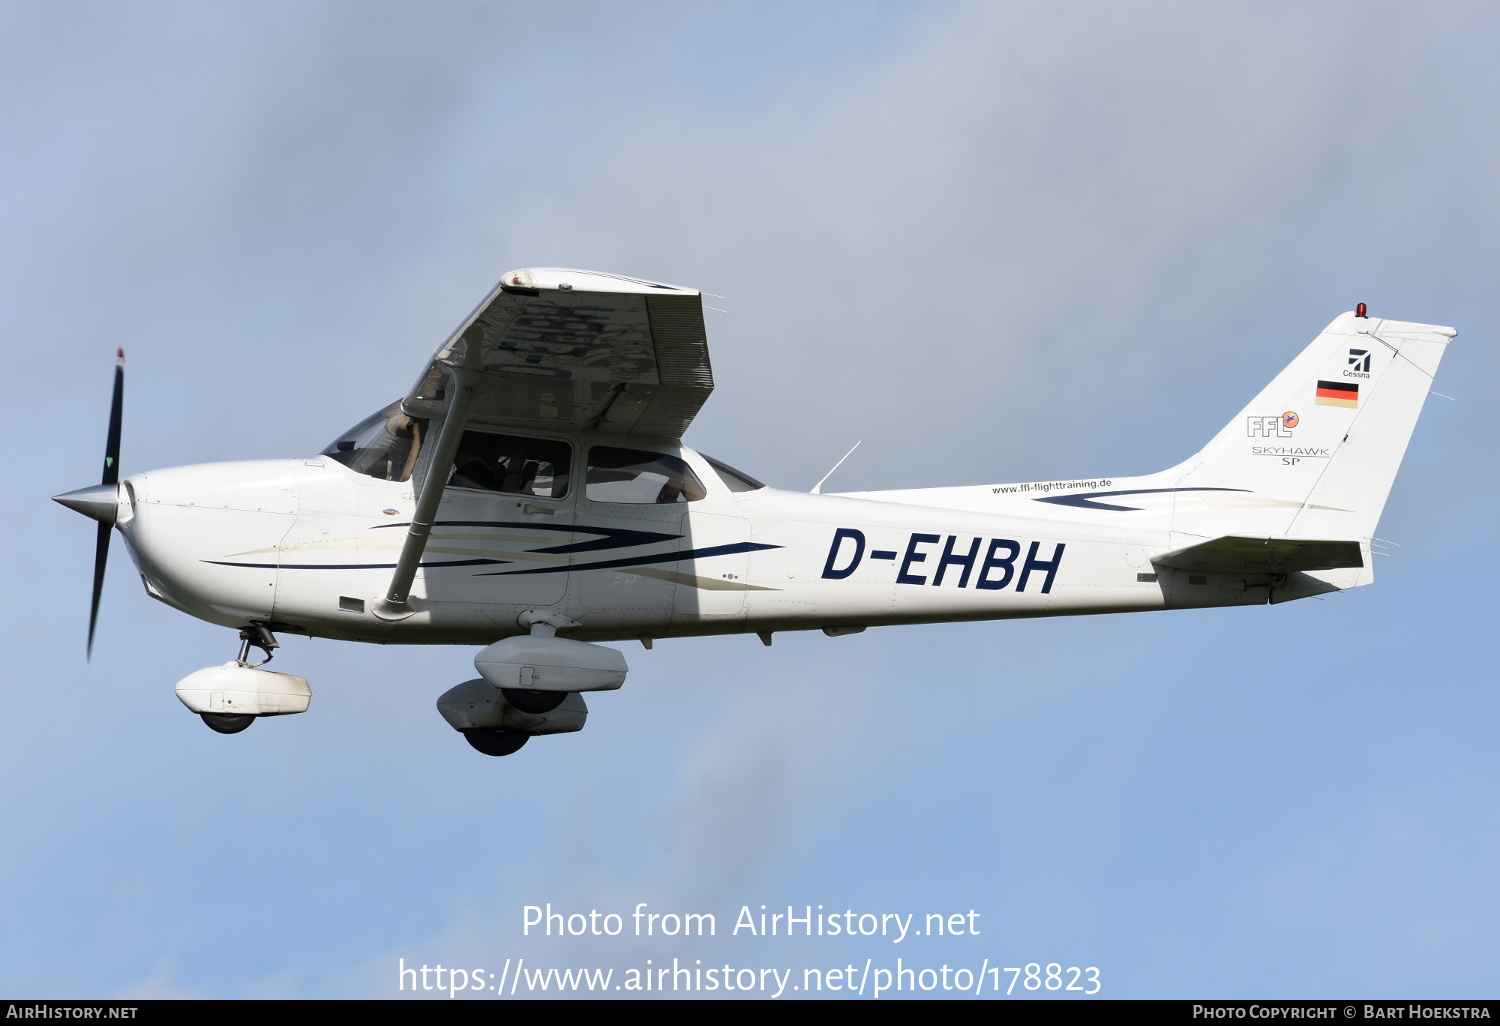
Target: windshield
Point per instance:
(734, 480)
(383, 445)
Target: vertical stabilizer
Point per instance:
(1315, 454)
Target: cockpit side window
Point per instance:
(640, 477)
(512, 464)
(384, 445)
(734, 480)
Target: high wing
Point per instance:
(558, 349)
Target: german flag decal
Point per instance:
(1337, 393)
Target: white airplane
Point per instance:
(531, 495)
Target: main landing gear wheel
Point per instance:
(492, 741)
(227, 723)
(534, 702)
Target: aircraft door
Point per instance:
(629, 535)
(625, 565)
(504, 527)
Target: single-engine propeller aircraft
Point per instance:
(531, 495)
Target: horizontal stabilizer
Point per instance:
(1235, 555)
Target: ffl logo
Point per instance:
(1271, 427)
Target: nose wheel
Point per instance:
(236, 685)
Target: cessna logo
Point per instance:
(1271, 427)
(1359, 364)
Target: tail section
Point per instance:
(1314, 455)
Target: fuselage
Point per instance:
(310, 545)
(531, 495)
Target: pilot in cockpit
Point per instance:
(473, 468)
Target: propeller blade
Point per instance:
(112, 442)
(111, 477)
(101, 556)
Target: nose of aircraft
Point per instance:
(99, 502)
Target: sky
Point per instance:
(990, 241)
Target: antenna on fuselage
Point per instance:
(817, 489)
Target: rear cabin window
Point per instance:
(383, 445)
(640, 477)
(512, 465)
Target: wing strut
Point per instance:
(393, 604)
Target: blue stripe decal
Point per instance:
(1086, 500)
(609, 537)
(666, 557)
(613, 538)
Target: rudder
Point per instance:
(1315, 454)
